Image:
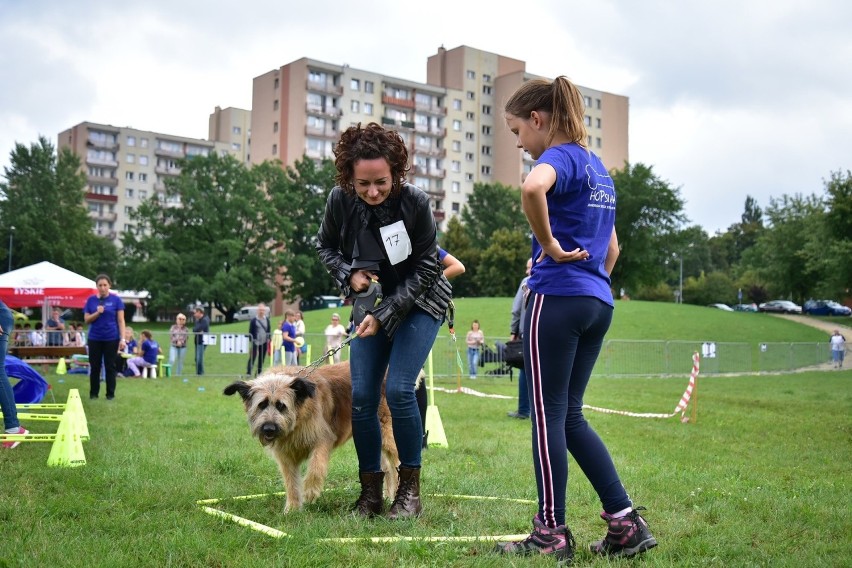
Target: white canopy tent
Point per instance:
(45, 284)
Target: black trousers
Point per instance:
(102, 354)
(258, 353)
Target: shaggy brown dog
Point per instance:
(304, 419)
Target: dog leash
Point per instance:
(330, 353)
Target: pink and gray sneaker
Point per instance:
(625, 536)
(9, 445)
(558, 542)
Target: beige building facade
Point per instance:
(125, 167)
(233, 127)
(453, 124)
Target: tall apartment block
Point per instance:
(125, 166)
(233, 127)
(453, 124)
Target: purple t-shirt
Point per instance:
(150, 350)
(105, 327)
(581, 206)
(289, 329)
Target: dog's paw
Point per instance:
(312, 493)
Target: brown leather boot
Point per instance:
(371, 502)
(407, 502)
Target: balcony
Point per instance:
(98, 216)
(99, 143)
(431, 109)
(437, 194)
(101, 197)
(439, 215)
(331, 111)
(167, 153)
(327, 132)
(397, 123)
(101, 162)
(393, 101)
(438, 173)
(167, 171)
(101, 180)
(106, 233)
(325, 87)
(430, 151)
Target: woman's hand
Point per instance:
(554, 250)
(360, 280)
(370, 326)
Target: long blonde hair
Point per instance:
(561, 99)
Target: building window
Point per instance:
(236, 146)
(486, 90)
(455, 208)
(131, 141)
(456, 104)
(368, 108)
(468, 135)
(486, 109)
(143, 177)
(456, 146)
(486, 170)
(275, 149)
(589, 141)
(468, 177)
(598, 122)
(128, 176)
(275, 126)
(468, 156)
(143, 160)
(275, 104)
(469, 115)
(128, 209)
(486, 78)
(356, 106)
(455, 166)
(457, 125)
(471, 95)
(355, 84)
(588, 120)
(471, 74)
(486, 150)
(128, 193)
(456, 187)
(598, 142)
(368, 87)
(598, 103)
(587, 101)
(131, 158)
(275, 84)
(143, 194)
(486, 130)
(143, 142)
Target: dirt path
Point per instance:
(843, 324)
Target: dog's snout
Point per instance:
(269, 429)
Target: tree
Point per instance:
(456, 241)
(43, 197)
(491, 207)
(503, 263)
(648, 213)
(220, 236)
(838, 222)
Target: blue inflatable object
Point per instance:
(31, 386)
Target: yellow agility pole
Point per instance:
(437, 437)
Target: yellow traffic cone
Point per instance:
(434, 426)
(67, 449)
(60, 367)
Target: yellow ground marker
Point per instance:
(437, 436)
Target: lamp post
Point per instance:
(679, 257)
(11, 235)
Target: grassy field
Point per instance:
(760, 478)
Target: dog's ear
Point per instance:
(303, 388)
(241, 387)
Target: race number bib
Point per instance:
(396, 242)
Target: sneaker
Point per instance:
(517, 415)
(9, 445)
(625, 536)
(543, 540)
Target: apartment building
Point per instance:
(453, 124)
(125, 166)
(233, 127)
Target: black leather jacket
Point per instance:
(417, 280)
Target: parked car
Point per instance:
(246, 313)
(780, 307)
(826, 308)
(724, 307)
(745, 307)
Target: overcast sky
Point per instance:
(728, 98)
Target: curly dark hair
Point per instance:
(368, 143)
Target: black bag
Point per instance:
(513, 355)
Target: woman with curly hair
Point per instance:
(378, 240)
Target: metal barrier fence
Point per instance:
(618, 357)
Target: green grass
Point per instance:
(761, 478)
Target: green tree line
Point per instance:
(228, 235)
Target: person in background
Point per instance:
(104, 313)
(55, 326)
(838, 348)
(11, 423)
(452, 267)
(475, 339)
(569, 201)
(300, 332)
(378, 241)
(288, 338)
(131, 349)
(178, 336)
(519, 309)
(150, 351)
(259, 336)
(74, 337)
(37, 338)
(199, 328)
(334, 335)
